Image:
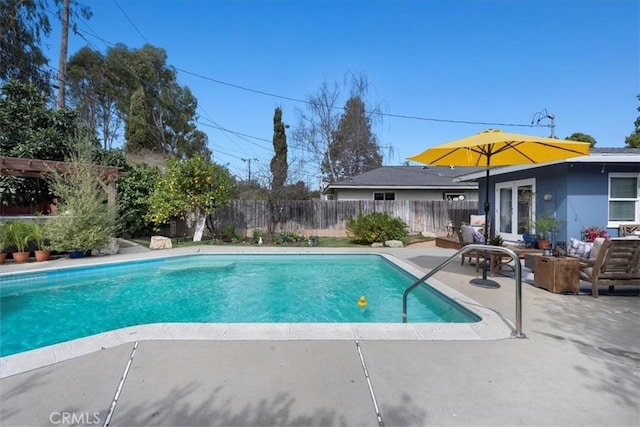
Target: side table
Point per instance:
(557, 275)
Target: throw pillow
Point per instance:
(467, 234)
(477, 236)
(578, 248)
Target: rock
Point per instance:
(376, 245)
(428, 234)
(160, 242)
(394, 244)
(112, 248)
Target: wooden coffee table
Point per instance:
(557, 275)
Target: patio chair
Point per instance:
(465, 235)
(612, 262)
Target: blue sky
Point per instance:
(498, 62)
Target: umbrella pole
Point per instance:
(484, 282)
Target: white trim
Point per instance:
(616, 224)
(513, 186)
(596, 158)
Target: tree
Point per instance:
(279, 164)
(190, 187)
(23, 24)
(29, 129)
(353, 148)
(279, 168)
(581, 137)
(93, 95)
(316, 129)
(108, 86)
(633, 140)
(136, 132)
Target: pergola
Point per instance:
(34, 168)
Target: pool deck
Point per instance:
(578, 365)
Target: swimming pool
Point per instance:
(49, 307)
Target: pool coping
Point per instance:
(492, 325)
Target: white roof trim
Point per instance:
(403, 187)
(595, 158)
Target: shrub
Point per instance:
(285, 237)
(134, 193)
(376, 227)
(85, 221)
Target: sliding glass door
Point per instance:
(515, 207)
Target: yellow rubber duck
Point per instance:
(362, 302)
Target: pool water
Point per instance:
(39, 309)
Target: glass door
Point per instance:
(515, 208)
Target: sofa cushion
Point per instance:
(579, 248)
(467, 234)
(597, 245)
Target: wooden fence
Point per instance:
(329, 217)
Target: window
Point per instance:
(624, 197)
(384, 196)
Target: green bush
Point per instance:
(284, 237)
(134, 195)
(376, 227)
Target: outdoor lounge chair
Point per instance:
(612, 262)
(465, 235)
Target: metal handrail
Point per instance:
(486, 249)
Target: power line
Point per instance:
(303, 101)
(131, 22)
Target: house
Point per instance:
(406, 183)
(601, 189)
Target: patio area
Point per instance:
(579, 365)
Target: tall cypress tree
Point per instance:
(136, 130)
(279, 166)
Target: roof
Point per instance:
(408, 178)
(596, 155)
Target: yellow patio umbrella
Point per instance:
(494, 147)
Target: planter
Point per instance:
(20, 257)
(77, 254)
(42, 255)
(3, 257)
(543, 244)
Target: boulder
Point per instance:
(160, 242)
(394, 244)
(376, 245)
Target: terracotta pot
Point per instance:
(20, 257)
(42, 255)
(3, 257)
(544, 244)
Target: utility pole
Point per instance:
(62, 60)
(546, 115)
(248, 162)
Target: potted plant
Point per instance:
(18, 235)
(496, 240)
(545, 224)
(38, 233)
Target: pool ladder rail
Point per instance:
(517, 269)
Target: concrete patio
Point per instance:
(579, 365)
